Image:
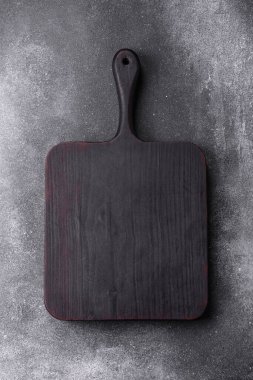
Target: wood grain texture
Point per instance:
(126, 223)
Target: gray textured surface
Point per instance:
(56, 84)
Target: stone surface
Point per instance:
(56, 85)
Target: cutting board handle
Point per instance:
(126, 70)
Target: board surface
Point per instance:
(126, 223)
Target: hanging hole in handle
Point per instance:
(125, 61)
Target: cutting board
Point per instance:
(125, 222)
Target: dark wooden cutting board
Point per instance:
(126, 223)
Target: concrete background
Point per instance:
(56, 85)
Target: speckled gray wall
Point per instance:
(56, 85)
